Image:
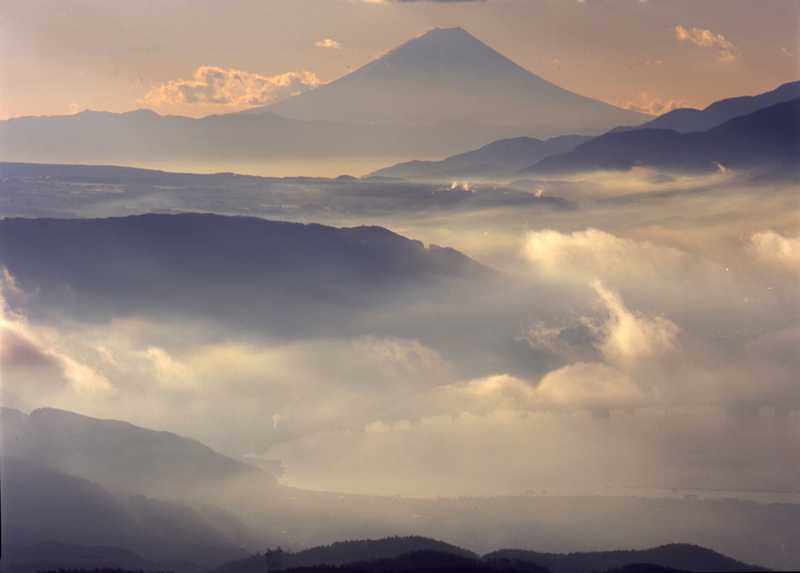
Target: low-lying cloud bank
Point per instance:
(641, 357)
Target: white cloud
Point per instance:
(630, 336)
(328, 43)
(27, 350)
(653, 105)
(590, 386)
(777, 250)
(230, 87)
(583, 256)
(707, 39)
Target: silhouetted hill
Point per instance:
(42, 506)
(497, 159)
(685, 120)
(294, 275)
(643, 568)
(678, 556)
(117, 454)
(768, 138)
(344, 552)
(98, 570)
(426, 562)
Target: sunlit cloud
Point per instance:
(26, 349)
(629, 336)
(328, 43)
(704, 38)
(230, 87)
(777, 250)
(652, 105)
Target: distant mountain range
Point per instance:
(766, 139)
(671, 141)
(439, 93)
(494, 160)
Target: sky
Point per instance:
(63, 56)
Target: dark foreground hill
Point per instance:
(427, 562)
(398, 554)
(678, 556)
(245, 271)
(346, 552)
(766, 139)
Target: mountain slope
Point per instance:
(41, 505)
(497, 159)
(679, 556)
(243, 271)
(685, 120)
(447, 76)
(766, 139)
(117, 454)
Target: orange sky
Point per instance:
(62, 56)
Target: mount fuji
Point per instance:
(438, 94)
(448, 76)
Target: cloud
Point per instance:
(707, 39)
(630, 336)
(776, 250)
(587, 255)
(591, 386)
(328, 43)
(652, 105)
(230, 87)
(627, 343)
(33, 354)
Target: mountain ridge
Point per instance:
(685, 120)
(88, 447)
(766, 139)
(494, 159)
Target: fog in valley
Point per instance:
(628, 332)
